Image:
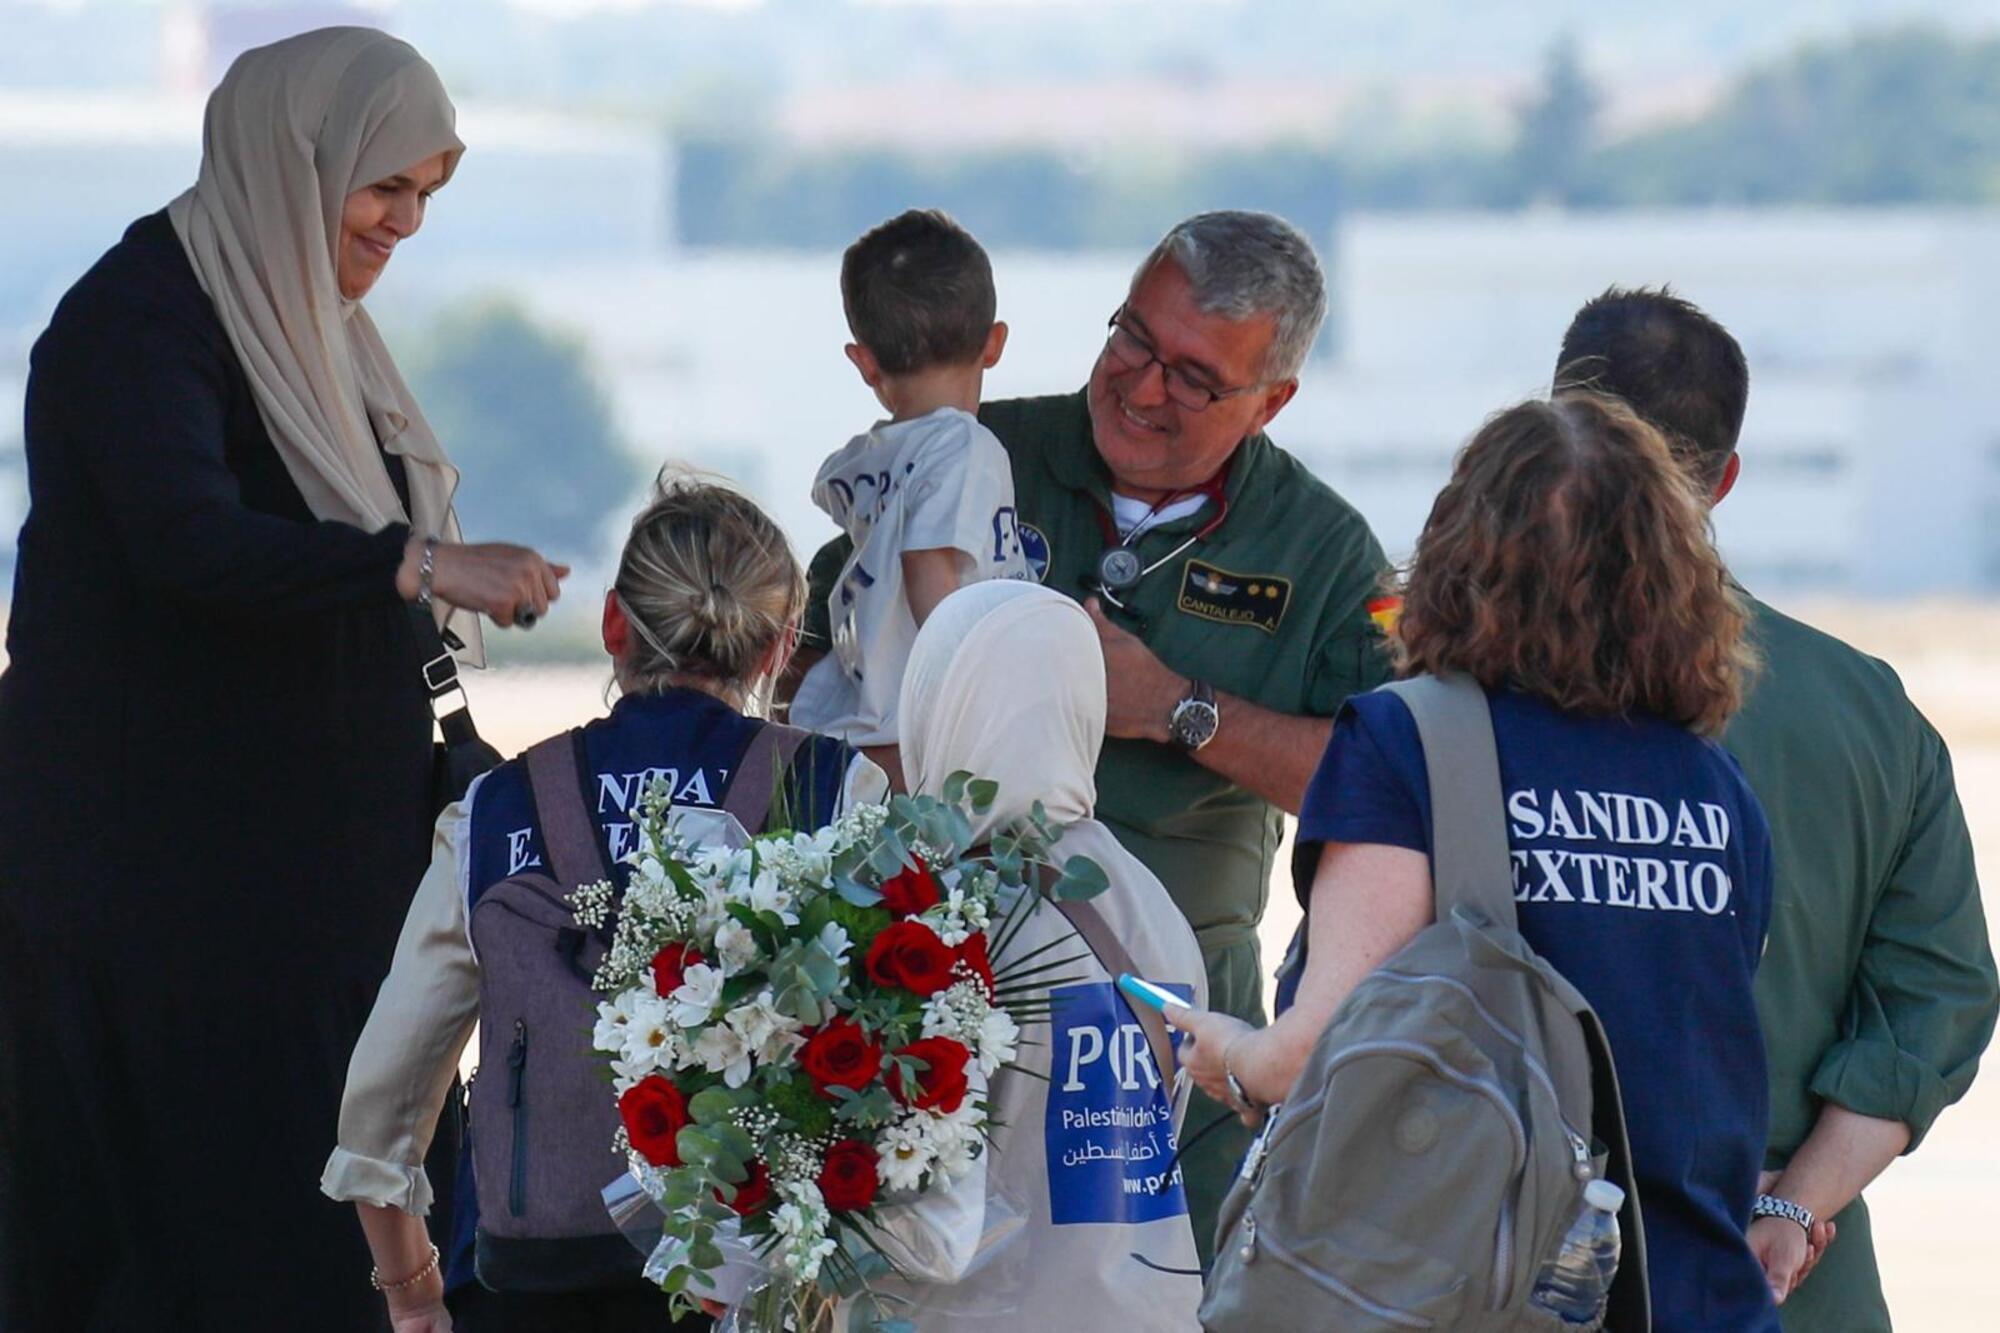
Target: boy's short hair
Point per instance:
(1675, 366)
(918, 291)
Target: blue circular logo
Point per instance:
(1035, 551)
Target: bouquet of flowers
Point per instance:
(799, 1030)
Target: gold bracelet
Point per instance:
(403, 1284)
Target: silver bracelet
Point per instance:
(426, 568)
(1769, 1205)
(403, 1284)
(1245, 1103)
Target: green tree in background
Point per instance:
(526, 421)
(1557, 133)
(1905, 116)
(1892, 116)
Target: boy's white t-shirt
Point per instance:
(939, 481)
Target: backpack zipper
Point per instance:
(1503, 1244)
(517, 1066)
(1387, 1314)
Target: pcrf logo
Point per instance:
(1126, 1051)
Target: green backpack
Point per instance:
(1434, 1148)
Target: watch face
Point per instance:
(1194, 723)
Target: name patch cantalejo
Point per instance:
(1234, 599)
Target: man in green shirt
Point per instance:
(1877, 991)
(1231, 588)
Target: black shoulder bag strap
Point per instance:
(465, 754)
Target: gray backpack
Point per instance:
(542, 1112)
(1433, 1151)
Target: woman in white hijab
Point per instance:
(216, 769)
(1083, 1223)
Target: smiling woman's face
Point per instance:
(376, 218)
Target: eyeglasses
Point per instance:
(1134, 353)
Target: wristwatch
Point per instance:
(1769, 1205)
(1195, 718)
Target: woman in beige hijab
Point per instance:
(1083, 1223)
(216, 769)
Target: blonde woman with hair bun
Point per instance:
(702, 615)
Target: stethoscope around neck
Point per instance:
(1119, 568)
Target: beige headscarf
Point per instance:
(1006, 681)
(292, 130)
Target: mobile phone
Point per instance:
(1147, 993)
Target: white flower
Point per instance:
(652, 1040)
(904, 1152)
(613, 1017)
(699, 993)
(834, 939)
(764, 1030)
(999, 1040)
(737, 945)
(766, 894)
(625, 1074)
(722, 1050)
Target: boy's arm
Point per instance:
(929, 577)
(821, 575)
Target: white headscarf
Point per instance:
(292, 130)
(1006, 681)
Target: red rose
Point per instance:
(941, 1086)
(912, 890)
(909, 954)
(848, 1181)
(655, 1112)
(670, 967)
(840, 1055)
(751, 1193)
(972, 953)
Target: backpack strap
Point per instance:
(1114, 958)
(570, 834)
(753, 787)
(1470, 863)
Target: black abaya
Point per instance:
(215, 799)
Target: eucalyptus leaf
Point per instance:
(697, 1145)
(983, 792)
(889, 856)
(735, 1141)
(711, 1104)
(1081, 878)
(858, 894)
(954, 787)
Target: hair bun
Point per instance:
(718, 610)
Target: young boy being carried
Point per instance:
(927, 496)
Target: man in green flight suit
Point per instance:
(1877, 991)
(1233, 592)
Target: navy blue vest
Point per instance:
(690, 741)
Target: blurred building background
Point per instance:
(638, 260)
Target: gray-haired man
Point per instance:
(1231, 588)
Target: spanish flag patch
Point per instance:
(1385, 612)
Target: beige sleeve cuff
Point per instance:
(403, 1065)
